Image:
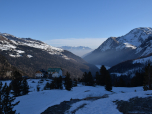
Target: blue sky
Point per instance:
(73, 22)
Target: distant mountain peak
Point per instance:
(76, 47)
(136, 43)
(78, 50)
(143, 29)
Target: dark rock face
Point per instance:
(61, 108)
(138, 105)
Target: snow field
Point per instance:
(37, 102)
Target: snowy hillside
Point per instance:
(37, 102)
(135, 44)
(29, 55)
(11, 43)
(131, 40)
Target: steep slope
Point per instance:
(6, 69)
(137, 43)
(131, 66)
(30, 55)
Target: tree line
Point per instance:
(19, 87)
(103, 78)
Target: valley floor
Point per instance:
(37, 102)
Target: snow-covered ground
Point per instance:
(36, 102)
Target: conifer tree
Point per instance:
(103, 73)
(59, 82)
(6, 101)
(38, 88)
(1, 97)
(56, 83)
(108, 83)
(52, 85)
(16, 84)
(25, 87)
(68, 82)
(98, 78)
(47, 86)
(84, 79)
(148, 77)
(90, 79)
(74, 82)
(121, 82)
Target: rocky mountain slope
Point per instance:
(6, 69)
(30, 55)
(79, 50)
(135, 44)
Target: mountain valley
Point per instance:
(30, 55)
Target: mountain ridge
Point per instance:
(118, 49)
(30, 55)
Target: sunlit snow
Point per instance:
(36, 102)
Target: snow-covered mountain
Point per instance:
(30, 55)
(10, 42)
(78, 50)
(135, 44)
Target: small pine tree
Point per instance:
(1, 109)
(6, 101)
(60, 85)
(56, 83)
(108, 83)
(38, 88)
(74, 82)
(103, 73)
(68, 82)
(16, 84)
(90, 80)
(84, 79)
(47, 86)
(121, 82)
(145, 87)
(25, 87)
(52, 85)
(148, 77)
(98, 78)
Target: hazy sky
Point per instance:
(73, 22)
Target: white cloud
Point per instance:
(89, 42)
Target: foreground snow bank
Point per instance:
(37, 102)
